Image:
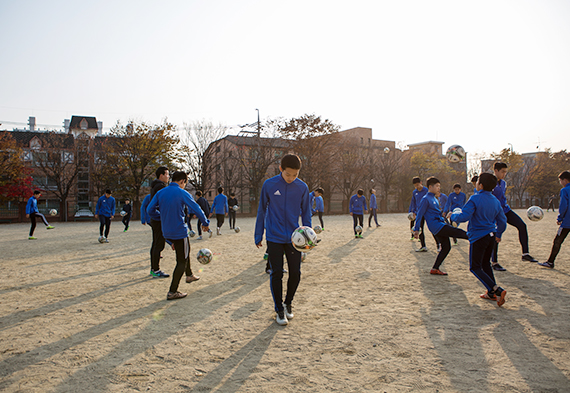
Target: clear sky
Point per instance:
(481, 74)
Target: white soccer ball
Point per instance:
(237, 229)
(358, 229)
(53, 212)
(535, 213)
(235, 207)
(455, 153)
(386, 150)
(411, 216)
(191, 233)
(304, 238)
(204, 256)
(318, 229)
(123, 213)
(101, 239)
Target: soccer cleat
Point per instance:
(527, 257)
(288, 311)
(199, 237)
(159, 274)
(437, 272)
(498, 267)
(106, 240)
(360, 236)
(280, 318)
(438, 248)
(422, 249)
(488, 296)
(455, 242)
(175, 295)
(501, 298)
(356, 236)
(547, 264)
(50, 227)
(192, 278)
(266, 256)
(32, 238)
(218, 231)
(412, 238)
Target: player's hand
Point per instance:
(258, 245)
(448, 216)
(558, 222)
(497, 239)
(143, 223)
(416, 234)
(172, 246)
(351, 214)
(112, 217)
(27, 216)
(96, 215)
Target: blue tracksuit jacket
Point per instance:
(563, 214)
(312, 200)
(319, 204)
(357, 204)
(279, 206)
(499, 193)
(105, 206)
(454, 201)
(145, 218)
(442, 200)
(220, 204)
(485, 215)
(416, 199)
(171, 201)
(373, 204)
(32, 206)
(429, 209)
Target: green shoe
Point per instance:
(32, 238)
(50, 227)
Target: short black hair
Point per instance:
(416, 179)
(432, 181)
(474, 179)
(179, 175)
(488, 181)
(220, 190)
(320, 190)
(457, 185)
(233, 194)
(108, 191)
(36, 192)
(161, 170)
(360, 192)
(198, 193)
(499, 165)
(564, 175)
(127, 200)
(290, 161)
(371, 190)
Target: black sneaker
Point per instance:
(498, 267)
(527, 257)
(547, 264)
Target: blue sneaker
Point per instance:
(158, 274)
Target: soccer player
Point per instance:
(232, 201)
(127, 208)
(145, 218)
(513, 218)
(316, 200)
(282, 198)
(474, 182)
(455, 200)
(563, 219)
(357, 207)
(419, 192)
(220, 209)
(158, 242)
(373, 208)
(205, 206)
(430, 211)
(168, 206)
(105, 210)
(551, 203)
(487, 222)
(32, 212)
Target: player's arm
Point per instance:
(501, 220)
(562, 207)
(306, 208)
(152, 208)
(421, 212)
(193, 207)
(466, 213)
(260, 220)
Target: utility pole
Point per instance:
(258, 124)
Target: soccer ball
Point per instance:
(235, 207)
(204, 256)
(237, 229)
(123, 213)
(455, 153)
(318, 229)
(386, 150)
(535, 213)
(101, 239)
(304, 238)
(358, 229)
(303, 256)
(53, 212)
(411, 216)
(191, 233)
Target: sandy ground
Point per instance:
(79, 316)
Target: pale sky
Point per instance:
(481, 74)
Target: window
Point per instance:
(67, 157)
(27, 155)
(362, 141)
(35, 144)
(83, 124)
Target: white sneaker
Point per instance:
(423, 249)
(281, 319)
(218, 232)
(199, 238)
(288, 311)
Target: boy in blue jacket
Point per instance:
(32, 212)
(205, 206)
(430, 211)
(282, 198)
(455, 200)
(105, 210)
(419, 192)
(357, 207)
(169, 205)
(563, 219)
(373, 209)
(487, 222)
(220, 209)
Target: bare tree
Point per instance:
(386, 165)
(352, 169)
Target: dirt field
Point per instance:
(79, 316)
